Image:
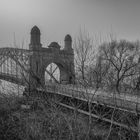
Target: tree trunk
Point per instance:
(83, 72)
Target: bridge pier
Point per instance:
(35, 59)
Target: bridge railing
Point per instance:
(125, 102)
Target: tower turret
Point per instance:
(35, 38)
(68, 42)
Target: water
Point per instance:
(10, 88)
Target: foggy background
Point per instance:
(56, 18)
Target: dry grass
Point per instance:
(45, 120)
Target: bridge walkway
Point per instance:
(126, 102)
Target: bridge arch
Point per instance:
(52, 73)
(63, 71)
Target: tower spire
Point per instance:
(68, 42)
(35, 38)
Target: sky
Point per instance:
(56, 18)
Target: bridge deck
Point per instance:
(16, 79)
(125, 102)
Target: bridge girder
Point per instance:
(21, 59)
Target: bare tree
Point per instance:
(84, 54)
(85, 58)
(120, 60)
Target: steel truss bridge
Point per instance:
(15, 66)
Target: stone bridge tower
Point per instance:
(41, 57)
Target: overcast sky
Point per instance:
(56, 18)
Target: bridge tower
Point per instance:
(68, 43)
(35, 59)
(41, 57)
(69, 51)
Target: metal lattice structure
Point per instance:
(14, 65)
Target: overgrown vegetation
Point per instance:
(44, 120)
